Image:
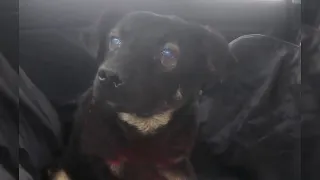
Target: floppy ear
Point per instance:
(218, 58)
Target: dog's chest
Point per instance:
(122, 151)
(144, 158)
(158, 150)
(107, 138)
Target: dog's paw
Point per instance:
(116, 169)
(175, 175)
(59, 175)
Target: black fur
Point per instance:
(131, 79)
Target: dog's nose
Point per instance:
(109, 77)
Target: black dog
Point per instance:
(139, 119)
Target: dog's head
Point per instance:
(154, 63)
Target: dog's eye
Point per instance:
(169, 56)
(167, 53)
(114, 43)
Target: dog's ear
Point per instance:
(218, 58)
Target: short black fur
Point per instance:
(134, 80)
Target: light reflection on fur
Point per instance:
(178, 95)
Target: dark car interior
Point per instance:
(251, 127)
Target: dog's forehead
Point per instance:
(146, 22)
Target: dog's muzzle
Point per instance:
(109, 77)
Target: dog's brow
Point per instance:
(114, 32)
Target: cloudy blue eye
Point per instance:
(167, 53)
(114, 43)
(169, 56)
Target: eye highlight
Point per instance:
(114, 43)
(169, 55)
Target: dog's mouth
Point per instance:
(141, 102)
(124, 104)
(143, 112)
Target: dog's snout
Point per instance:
(109, 77)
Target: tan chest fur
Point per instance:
(147, 125)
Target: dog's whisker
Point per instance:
(117, 85)
(200, 92)
(178, 95)
(111, 104)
